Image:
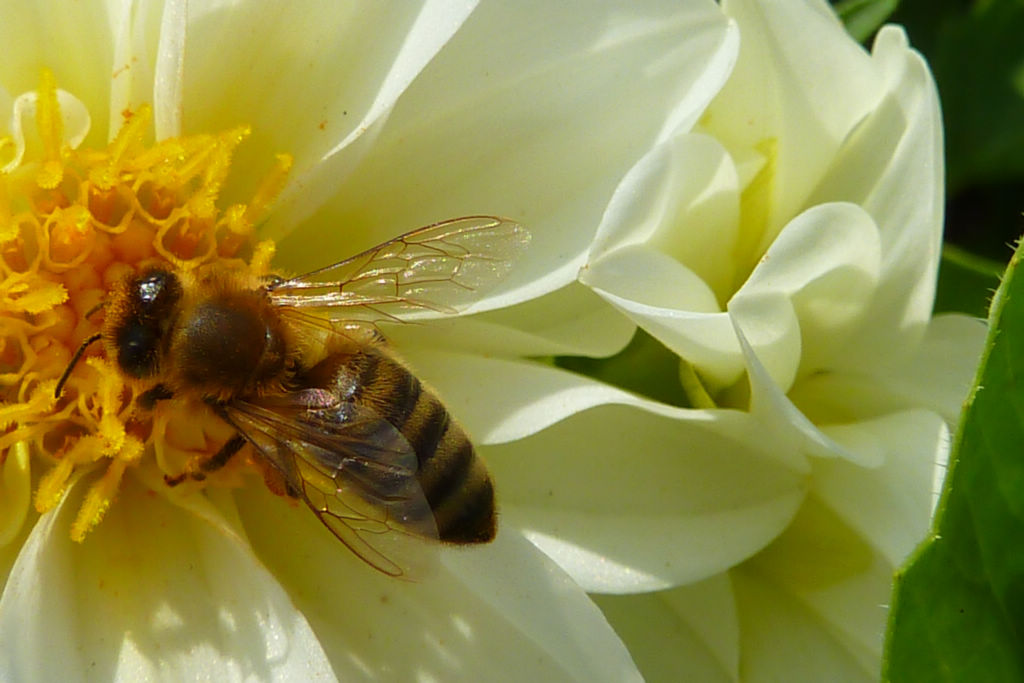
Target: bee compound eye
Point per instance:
(137, 349)
(156, 292)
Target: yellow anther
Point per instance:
(97, 500)
(51, 132)
(74, 224)
(269, 189)
(53, 483)
(130, 136)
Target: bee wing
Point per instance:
(436, 269)
(353, 469)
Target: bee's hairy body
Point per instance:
(219, 338)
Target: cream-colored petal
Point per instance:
(626, 500)
(24, 132)
(777, 98)
(16, 513)
(689, 633)
(533, 111)
(784, 420)
(498, 612)
(890, 505)
(571, 321)
(625, 493)
(813, 604)
(15, 491)
(149, 55)
(73, 40)
(671, 304)
(892, 165)
(153, 593)
(310, 81)
(953, 343)
(810, 288)
(683, 199)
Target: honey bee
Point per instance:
(299, 368)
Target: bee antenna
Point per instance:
(74, 361)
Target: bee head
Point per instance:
(143, 311)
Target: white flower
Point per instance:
(396, 115)
(785, 248)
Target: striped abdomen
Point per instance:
(453, 477)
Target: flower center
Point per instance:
(74, 222)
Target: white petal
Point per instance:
(38, 34)
(309, 81)
(500, 611)
(892, 165)
(22, 127)
(663, 254)
(784, 420)
(689, 633)
(813, 604)
(802, 108)
(953, 343)
(571, 321)
(683, 197)
(534, 111)
(813, 284)
(149, 39)
(15, 491)
(152, 593)
(889, 505)
(626, 500)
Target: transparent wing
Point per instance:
(353, 469)
(437, 269)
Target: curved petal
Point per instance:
(797, 110)
(953, 343)
(889, 505)
(16, 514)
(37, 35)
(705, 488)
(502, 607)
(892, 165)
(347, 63)
(184, 603)
(682, 197)
(663, 253)
(636, 501)
(816, 596)
(811, 287)
(689, 633)
(533, 111)
(571, 321)
(149, 52)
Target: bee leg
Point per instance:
(147, 400)
(219, 459)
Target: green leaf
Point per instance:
(958, 607)
(863, 17)
(966, 282)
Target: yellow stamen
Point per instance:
(51, 131)
(74, 223)
(269, 189)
